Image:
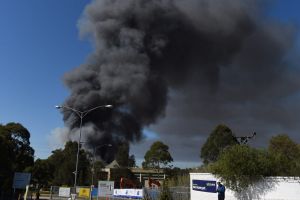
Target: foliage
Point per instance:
(157, 155)
(201, 169)
(220, 138)
(98, 174)
(122, 156)
(240, 166)
(180, 180)
(165, 193)
(176, 171)
(131, 161)
(41, 173)
(63, 174)
(178, 177)
(16, 152)
(286, 154)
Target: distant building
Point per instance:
(141, 174)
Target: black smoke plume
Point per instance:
(218, 54)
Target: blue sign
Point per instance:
(204, 186)
(94, 192)
(21, 180)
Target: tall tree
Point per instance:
(157, 155)
(16, 152)
(41, 173)
(6, 165)
(122, 156)
(219, 139)
(131, 161)
(286, 155)
(64, 172)
(242, 167)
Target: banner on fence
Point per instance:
(204, 186)
(64, 192)
(129, 193)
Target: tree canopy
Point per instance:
(122, 156)
(157, 155)
(64, 173)
(243, 169)
(219, 139)
(241, 165)
(16, 152)
(286, 154)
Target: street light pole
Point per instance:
(81, 115)
(93, 165)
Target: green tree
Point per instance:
(16, 152)
(41, 173)
(241, 166)
(286, 155)
(6, 164)
(97, 170)
(165, 193)
(122, 156)
(219, 139)
(178, 177)
(63, 174)
(157, 155)
(131, 161)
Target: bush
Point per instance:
(165, 193)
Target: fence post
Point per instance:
(51, 192)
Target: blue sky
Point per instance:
(39, 42)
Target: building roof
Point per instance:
(112, 165)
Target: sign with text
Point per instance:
(105, 188)
(64, 191)
(204, 186)
(129, 193)
(21, 180)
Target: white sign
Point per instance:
(105, 188)
(21, 180)
(129, 193)
(286, 188)
(64, 192)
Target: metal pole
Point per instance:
(94, 158)
(81, 115)
(93, 166)
(78, 150)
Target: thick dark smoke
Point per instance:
(215, 61)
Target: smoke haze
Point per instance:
(180, 68)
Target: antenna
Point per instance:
(244, 139)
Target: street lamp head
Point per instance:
(58, 107)
(108, 106)
(110, 145)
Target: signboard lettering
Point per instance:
(64, 192)
(105, 188)
(204, 186)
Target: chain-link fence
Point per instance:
(180, 193)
